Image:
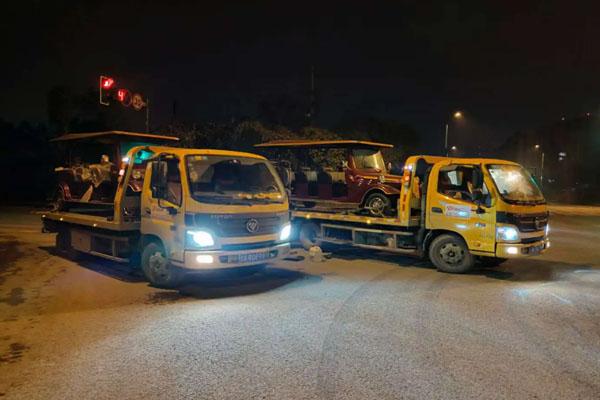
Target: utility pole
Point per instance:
(312, 109)
(446, 140)
(542, 172)
(147, 115)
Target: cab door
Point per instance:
(458, 200)
(162, 205)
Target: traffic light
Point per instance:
(124, 96)
(106, 87)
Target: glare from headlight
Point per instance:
(547, 229)
(285, 232)
(507, 233)
(202, 238)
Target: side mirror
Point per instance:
(158, 183)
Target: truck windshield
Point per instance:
(233, 180)
(368, 159)
(515, 184)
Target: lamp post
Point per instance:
(537, 147)
(456, 115)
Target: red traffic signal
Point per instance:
(124, 96)
(106, 85)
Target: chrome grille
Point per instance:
(232, 225)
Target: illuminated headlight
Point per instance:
(512, 250)
(285, 232)
(547, 229)
(204, 259)
(507, 233)
(201, 238)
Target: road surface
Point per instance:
(351, 327)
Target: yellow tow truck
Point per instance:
(456, 211)
(178, 211)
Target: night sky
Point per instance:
(508, 65)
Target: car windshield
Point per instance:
(515, 184)
(368, 159)
(223, 179)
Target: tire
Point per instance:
(378, 204)
(309, 235)
(157, 269)
(491, 262)
(449, 253)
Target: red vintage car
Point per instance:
(336, 174)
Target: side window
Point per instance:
(174, 191)
(461, 182)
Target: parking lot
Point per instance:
(358, 325)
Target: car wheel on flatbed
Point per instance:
(157, 268)
(449, 253)
(378, 204)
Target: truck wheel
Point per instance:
(378, 204)
(157, 268)
(449, 253)
(309, 235)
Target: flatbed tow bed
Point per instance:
(376, 233)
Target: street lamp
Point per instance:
(455, 115)
(536, 148)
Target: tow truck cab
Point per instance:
(178, 211)
(494, 205)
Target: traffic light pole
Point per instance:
(147, 115)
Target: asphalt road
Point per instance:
(357, 326)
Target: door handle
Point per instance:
(147, 210)
(436, 210)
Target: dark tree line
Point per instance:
(28, 159)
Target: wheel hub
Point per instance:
(159, 265)
(452, 253)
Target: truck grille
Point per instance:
(525, 222)
(234, 225)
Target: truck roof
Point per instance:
(182, 152)
(115, 136)
(478, 160)
(323, 144)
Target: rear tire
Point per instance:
(309, 235)
(157, 268)
(449, 253)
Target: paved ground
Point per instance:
(347, 328)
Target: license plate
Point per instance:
(252, 257)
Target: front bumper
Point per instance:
(221, 259)
(519, 250)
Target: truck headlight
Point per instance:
(507, 233)
(285, 232)
(201, 238)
